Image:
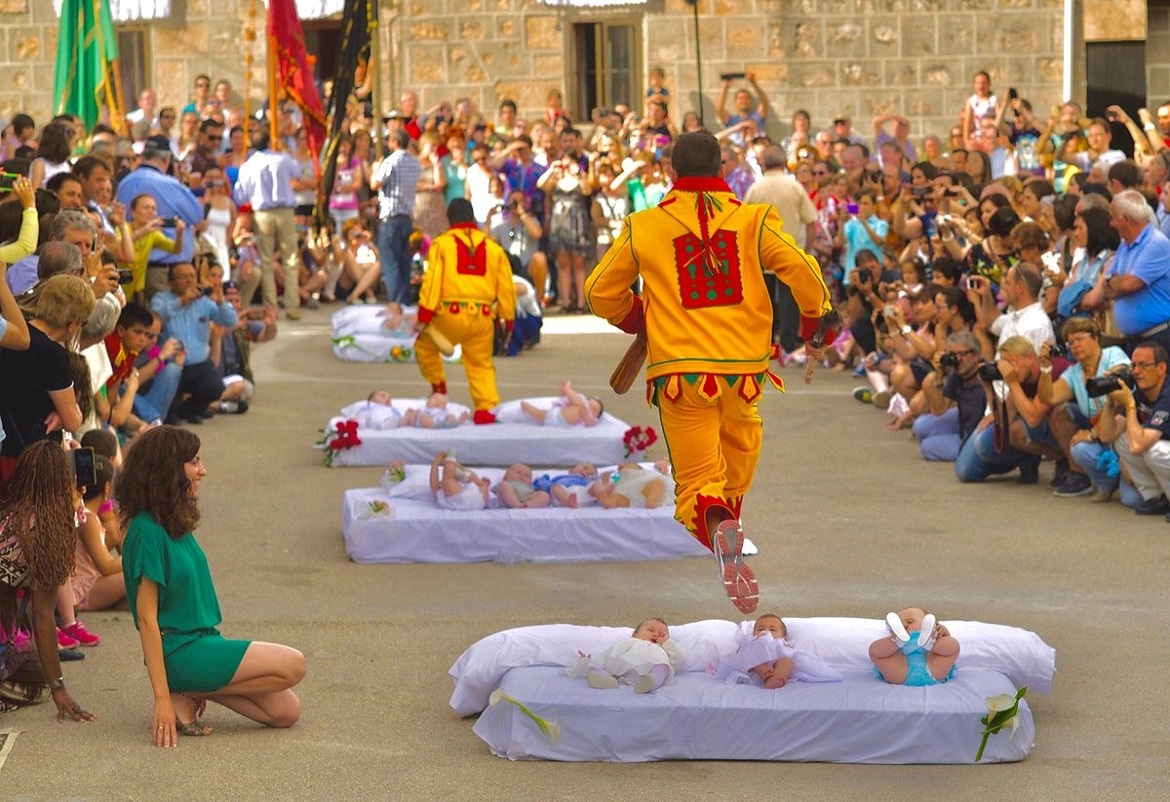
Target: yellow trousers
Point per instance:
(713, 435)
(476, 333)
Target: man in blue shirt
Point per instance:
(265, 184)
(396, 179)
(1138, 283)
(172, 200)
(187, 314)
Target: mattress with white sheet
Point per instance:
(359, 334)
(695, 717)
(516, 437)
(403, 524)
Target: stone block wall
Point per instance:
(1158, 53)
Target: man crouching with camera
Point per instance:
(1137, 421)
(1015, 434)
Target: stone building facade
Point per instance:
(831, 57)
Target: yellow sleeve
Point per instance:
(607, 290)
(780, 254)
(505, 287)
(432, 283)
(26, 240)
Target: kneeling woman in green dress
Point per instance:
(171, 594)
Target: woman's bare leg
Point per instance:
(262, 686)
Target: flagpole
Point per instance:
(249, 60)
(273, 139)
(116, 119)
(375, 64)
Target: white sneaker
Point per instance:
(897, 630)
(926, 634)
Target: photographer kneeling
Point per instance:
(1077, 409)
(1137, 422)
(1016, 433)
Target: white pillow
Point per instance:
(478, 671)
(844, 643)
(841, 642)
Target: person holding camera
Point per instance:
(519, 232)
(1076, 408)
(1024, 315)
(1136, 420)
(1016, 434)
(743, 105)
(860, 229)
(187, 312)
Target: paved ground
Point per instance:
(848, 520)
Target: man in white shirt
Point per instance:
(796, 209)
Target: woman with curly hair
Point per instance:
(172, 598)
(37, 543)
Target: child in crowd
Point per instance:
(105, 444)
(646, 660)
(379, 412)
(570, 409)
(98, 583)
(770, 661)
(516, 490)
(918, 651)
(631, 485)
(435, 415)
(570, 489)
(656, 90)
(456, 487)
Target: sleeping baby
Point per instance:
(768, 660)
(378, 412)
(646, 660)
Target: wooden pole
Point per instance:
(273, 101)
(375, 64)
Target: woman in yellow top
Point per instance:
(148, 236)
(25, 242)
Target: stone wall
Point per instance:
(1158, 53)
(831, 57)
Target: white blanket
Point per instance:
(360, 335)
(403, 524)
(860, 720)
(515, 438)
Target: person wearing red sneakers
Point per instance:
(707, 316)
(37, 543)
(467, 286)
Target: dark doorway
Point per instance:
(1115, 76)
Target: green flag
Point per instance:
(86, 51)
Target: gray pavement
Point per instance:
(848, 520)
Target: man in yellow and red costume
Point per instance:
(707, 315)
(467, 286)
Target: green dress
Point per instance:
(197, 657)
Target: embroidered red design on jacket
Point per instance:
(705, 285)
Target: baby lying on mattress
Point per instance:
(380, 414)
(568, 410)
(768, 660)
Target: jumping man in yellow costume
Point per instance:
(468, 284)
(708, 321)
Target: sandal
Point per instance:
(739, 581)
(194, 728)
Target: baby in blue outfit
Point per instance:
(919, 650)
(570, 489)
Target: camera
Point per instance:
(972, 282)
(206, 291)
(1103, 385)
(1058, 349)
(989, 372)
(948, 361)
(125, 276)
(732, 76)
(81, 466)
(920, 192)
(852, 208)
(169, 222)
(951, 192)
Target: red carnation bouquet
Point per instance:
(637, 440)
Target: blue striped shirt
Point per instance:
(172, 199)
(397, 176)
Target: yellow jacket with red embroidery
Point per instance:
(707, 310)
(466, 267)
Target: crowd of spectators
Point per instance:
(1005, 285)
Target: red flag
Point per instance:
(295, 74)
